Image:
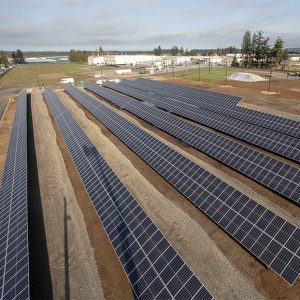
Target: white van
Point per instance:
(100, 82)
(115, 80)
(67, 80)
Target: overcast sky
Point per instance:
(143, 24)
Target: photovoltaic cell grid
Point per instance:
(270, 172)
(154, 268)
(14, 255)
(273, 141)
(215, 103)
(270, 238)
(200, 93)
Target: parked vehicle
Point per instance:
(67, 80)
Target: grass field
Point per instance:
(48, 74)
(216, 74)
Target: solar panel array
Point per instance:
(14, 252)
(276, 142)
(195, 92)
(152, 265)
(220, 105)
(270, 172)
(270, 238)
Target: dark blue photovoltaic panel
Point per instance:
(14, 252)
(154, 268)
(217, 103)
(286, 146)
(270, 238)
(278, 176)
(200, 94)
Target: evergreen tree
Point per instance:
(278, 51)
(193, 52)
(262, 51)
(101, 52)
(3, 59)
(285, 54)
(247, 49)
(253, 47)
(234, 63)
(157, 51)
(174, 50)
(78, 56)
(18, 57)
(181, 51)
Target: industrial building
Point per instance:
(152, 60)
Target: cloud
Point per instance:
(141, 24)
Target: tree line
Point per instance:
(18, 57)
(78, 56)
(257, 53)
(3, 59)
(175, 50)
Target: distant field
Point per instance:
(48, 74)
(216, 74)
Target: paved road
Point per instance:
(5, 93)
(3, 103)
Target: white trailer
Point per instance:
(123, 72)
(67, 80)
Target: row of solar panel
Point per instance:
(278, 143)
(270, 172)
(154, 268)
(271, 239)
(196, 92)
(222, 106)
(14, 252)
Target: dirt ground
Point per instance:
(7, 113)
(263, 280)
(3, 106)
(5, 130)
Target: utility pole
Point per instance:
(226, 73)
(37, 79)
(93, 73)
(209, 65)
(101, 67)
(199, 70)
(269, 87)
(173, 68)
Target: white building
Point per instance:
(176, 60)
(294, 57)
(132, 60)
(96, 60)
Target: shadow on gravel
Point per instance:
(39, 270)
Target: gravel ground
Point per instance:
(72, 265)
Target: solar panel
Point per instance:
(268, 171)
(221, 105)
(154, 268)
(14, 253)
(270, 238)
(200, 94)
(276, 142)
